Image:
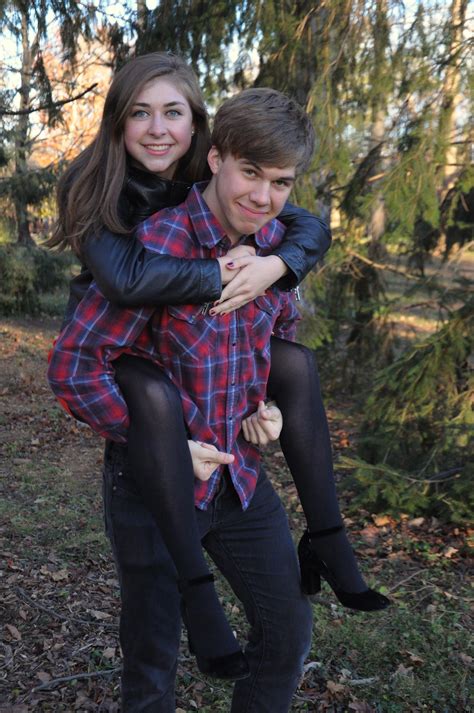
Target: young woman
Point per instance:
(151, 146)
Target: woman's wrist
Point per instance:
(279, 267)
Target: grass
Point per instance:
(59, 590)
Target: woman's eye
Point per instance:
(139, 114)
(173, 113)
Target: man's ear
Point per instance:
(214, 159)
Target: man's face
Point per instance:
(243, 195)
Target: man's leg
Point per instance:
(150, 616)
(255, 552)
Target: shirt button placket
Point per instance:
(233, 363)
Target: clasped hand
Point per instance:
(245, 276)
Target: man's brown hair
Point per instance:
(265, 127)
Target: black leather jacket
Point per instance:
(130, 275)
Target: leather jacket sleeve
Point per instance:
(130, 275)
(307, 239)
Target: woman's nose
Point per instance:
(157, 126)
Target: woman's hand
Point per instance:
(254, 275)
(206, 458)
(264, 425)
(228, 274)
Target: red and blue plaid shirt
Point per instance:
(219, 364)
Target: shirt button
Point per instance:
(232, 383)
(234, 344)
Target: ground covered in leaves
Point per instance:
(59, 600)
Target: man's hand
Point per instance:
(264, 425)
(229, 273)
(254, 275)
(206, 458)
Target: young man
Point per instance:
(220, 365)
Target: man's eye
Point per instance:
(249, 172)
(282, 184)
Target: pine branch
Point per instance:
(42, 107)
(380, 266)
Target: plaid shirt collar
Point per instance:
(199, 213)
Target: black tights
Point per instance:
(306, 445)
(160, 460)
(161, 463)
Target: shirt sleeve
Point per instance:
(80, 371)
(288, 317)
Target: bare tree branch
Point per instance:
(20, 112)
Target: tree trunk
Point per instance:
(451, 98)
(21, 140)
(377, 220)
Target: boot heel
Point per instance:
(310, 580)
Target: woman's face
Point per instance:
(159, 128)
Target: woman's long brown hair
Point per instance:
(88, 193)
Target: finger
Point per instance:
(232, 289)
(261, 408)
(207, 446)
(263, 433)
(220, 458)
(271, 413)
(236, 263)
(253, 436)
(203, 473)
(245, 430)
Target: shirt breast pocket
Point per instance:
(189, 335)
(265, 315)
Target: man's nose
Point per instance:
(261, 193)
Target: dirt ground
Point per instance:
(59, 598)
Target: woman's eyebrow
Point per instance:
(168, 104)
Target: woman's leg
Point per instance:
(161, 464)
(305, 441)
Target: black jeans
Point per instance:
(254, 551)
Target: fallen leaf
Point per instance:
(99, 614)
(370, 534)
(450, 552)
(416, 522)
(60, 575)
(382, 520)
(43, 676)
(335, 688)
(403, 671)
(109, 652)
(466, 659)
(361, 707)
(414, 658)
(13, 631)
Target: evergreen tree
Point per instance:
(29, 22)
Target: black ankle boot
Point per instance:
(232, 666)
(313, 568)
